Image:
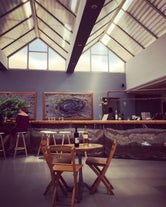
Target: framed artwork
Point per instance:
(11, 101)
(67, 105)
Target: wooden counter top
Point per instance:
(100, 122)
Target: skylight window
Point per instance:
(38, 56)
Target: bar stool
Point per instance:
(20, 135)
(47, 134)
(2, 144)
(65, 134)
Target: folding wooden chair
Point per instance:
(64, 153)
(51, 161)
(100, 165)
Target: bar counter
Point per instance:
(130, 135)
(116, 124)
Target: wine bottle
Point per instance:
(76, 138)
(85, 136)
(116, 115)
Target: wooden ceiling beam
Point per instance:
(84, 25)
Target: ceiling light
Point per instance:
(94, 6)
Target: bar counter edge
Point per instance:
(100, 122)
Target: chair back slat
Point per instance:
(111, 153)
(65, 155)
(44, 149)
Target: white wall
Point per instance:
(147, 66)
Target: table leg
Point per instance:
(81, 183)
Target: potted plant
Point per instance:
(9, 106)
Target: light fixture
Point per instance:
(94, 6)
(79, 45)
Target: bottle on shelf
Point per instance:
(116, 115)
(119, 117)
(85, 136)
(76, 138)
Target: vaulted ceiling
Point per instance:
(71, 27)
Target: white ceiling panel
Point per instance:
(71, 27)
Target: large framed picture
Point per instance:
(11, 101)
(67, 105)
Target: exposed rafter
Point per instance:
(32, 3)
(84, 26)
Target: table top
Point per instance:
(87, 147)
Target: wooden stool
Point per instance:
(46, 134)
(65, 134)
(17, 147)
(2, 145)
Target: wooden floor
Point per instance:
(136, 183)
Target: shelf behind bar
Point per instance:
(107, 122)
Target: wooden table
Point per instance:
(88, 147)
(80, 152)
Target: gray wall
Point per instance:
(50, 81)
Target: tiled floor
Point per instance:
(136, 184)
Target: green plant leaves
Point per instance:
(10, 106)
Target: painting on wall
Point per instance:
(10, 102)
(67, 105)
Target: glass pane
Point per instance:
(37, 60)
(84, 62)
(19, 60)
(99, 63)
(56, 62)
(99, 49)
(38, 45)
(116, 65)
(71, 4)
